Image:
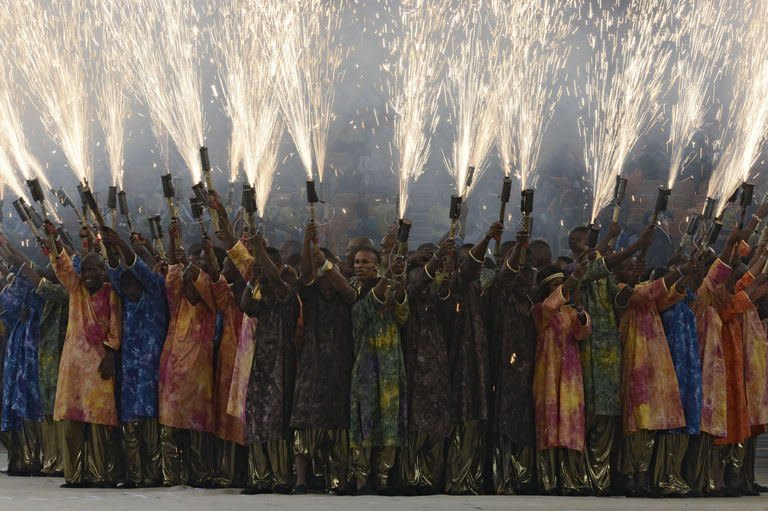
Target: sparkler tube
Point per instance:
(24, 215)
(470, 176)
(122, 201)
(205, 161)
(506, 192)
(112, 205)
(403, 232)
(37, 195)
(454, 213)
(747, 191)
(157, 235)
(312, 199)
(206, 165)
(248, 202)
(662, 200)
(170, 196)
(686, 243)
(618, 197)
(197, 206)
(714, 233)
(593, 235)
(64, 236)
(709, 208)
(90, 201)
(526, 222)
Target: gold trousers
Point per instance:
(229, 464)
(269, 465)
(513, 467)
(141, 447)
(422, 461)
(731, 464)
(748, 468)
(601, 433)
(52, 444)
(328, 450)
(697, 464)
(562, 469)
(637, 450)
(667, 472)
(185, 456)
(373, 462)
(24, 450)
(90, 453)
(465, 459)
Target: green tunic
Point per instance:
(601, 353)
(378, 403)
(53, 328)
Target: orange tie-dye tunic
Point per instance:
(228, 427)
(94, 321)
(755, 349)
(649, 389)
(558, 387)
(186, 364)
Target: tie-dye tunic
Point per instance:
(94, 322)
(650, 392)
(378, 395)
(186, 363)
(558, 389)
(53, 330)
(21, 392)
(755, 362)
(145, 325)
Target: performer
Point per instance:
(378, 393)
(85, 392)
(649, 389)
(422, 457)
(320, 416)
(275, 305)
(558, 390)
(513, 354)
(186, 371)
(144, 327)
(468, 361)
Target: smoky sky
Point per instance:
(360, 160)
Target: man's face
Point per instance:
(365, 265)
(541, 256)
(93, 273)
(577, 242)
(625, 271)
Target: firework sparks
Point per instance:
(536, 53)
(248, 75)
(748, 127)
(52, 47)
(703, 43)
(416, 68)
(472, 73)
(112, 100)
(163, 37)
(625, 78)
(309, 56)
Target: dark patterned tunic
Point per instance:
(468, 354)
(270, 386)
(426, 363)
(323, 362)
(513, 355)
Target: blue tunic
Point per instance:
(680, 328)
(145, 324)
(21, 387)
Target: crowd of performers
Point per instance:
(437, 370)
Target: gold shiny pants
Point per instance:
(637, 451)
(422, 460)
(90, 454)
(141, 447)
(697, 464)
(601, 433)
(562, 469)
(24, 450)
(328, 450)
(465, 459)
(376, 462)
(269, 465)
(731, 463)
(748, 468)
(185, 456)
(229, 460)
(513, 467)
(52, 439)
(667, 473)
